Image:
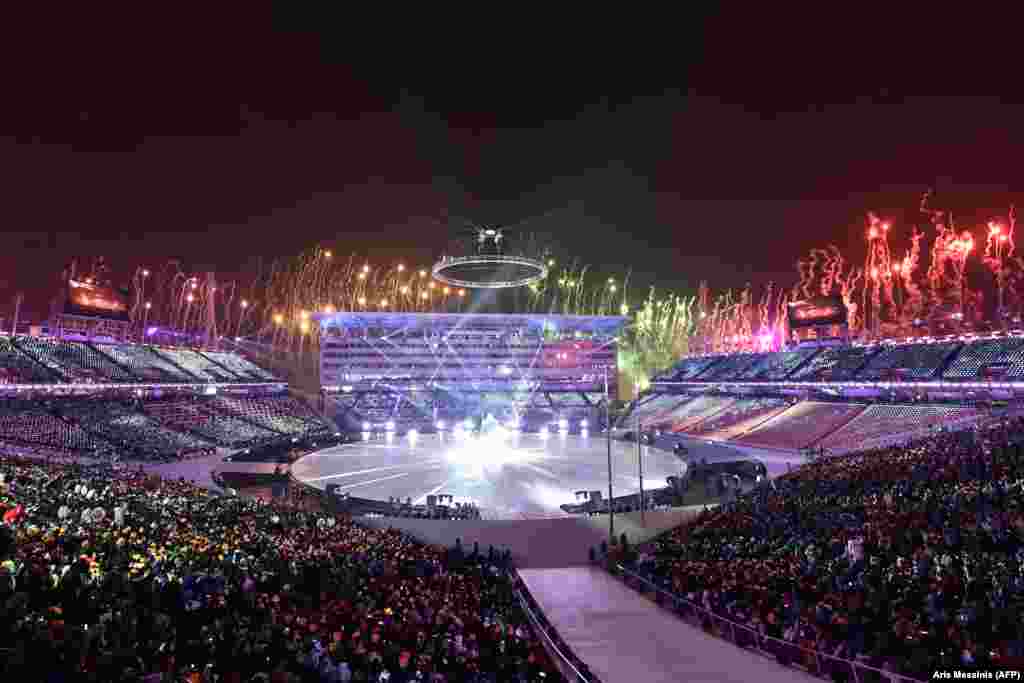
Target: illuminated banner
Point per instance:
(826, 310)
(96, 301)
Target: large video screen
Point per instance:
(825, 310)
(96, 301)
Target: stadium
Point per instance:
(770, 493)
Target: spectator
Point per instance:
(912, 555)
(182, 582)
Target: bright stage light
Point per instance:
(583, 424)
(544, 433)
(413, 434)
(390, 426)
(506, 370)
(563, 424)
(366, 426)
(491, 449)
(584, 433)
(366, 436)
(440, 424)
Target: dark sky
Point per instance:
(721, 147)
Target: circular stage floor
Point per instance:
(507, 475)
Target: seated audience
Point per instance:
(112, 575)
(907, 558)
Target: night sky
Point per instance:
(722, 149)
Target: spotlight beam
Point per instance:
(474, 382)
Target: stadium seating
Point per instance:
(777, 366)
(802, 425)
(114, 576)
(46, 360)
(144, 363)
(980, 355)
(74, 362)
(282, 414)
(913, 361)
(892, 421)
(688, 369)
(836, 363)
(730, 367)
(202, 419)
(652, 410)
(904, 559)
(198, 365)
(695, 411)
(738, 418)
(18, 368)
(239, 366)
(34, 423)
(125, 427)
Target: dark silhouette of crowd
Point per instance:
(113, 575)
(907, 559)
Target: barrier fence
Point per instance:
(813, 661)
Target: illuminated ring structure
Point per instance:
(489, 272)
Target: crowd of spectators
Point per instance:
(907, 558)
(110, 574)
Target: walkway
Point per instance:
(540, 543)
(623, 637)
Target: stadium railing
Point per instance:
(815, 662)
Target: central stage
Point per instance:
(508, 475)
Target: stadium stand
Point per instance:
(730, 367)
(902, 560)
(282, 414)
(776, 366)
(33, 423)
(893, 422)
(698, 409)
(651, 410)
(143, 362)
(236, 422)
(121, 424)
(198, 365)
(802, 425)
(981, 355)
(116, 576)
(18, 368)
(914, 361)
(239, 366)
(738, 418)
(836, 363)
(74, 362)
(688, 368)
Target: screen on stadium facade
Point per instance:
(97, 301)
(477, 352)
(817, 312)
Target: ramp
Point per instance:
(623, 637)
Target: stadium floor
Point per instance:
(507, 475)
